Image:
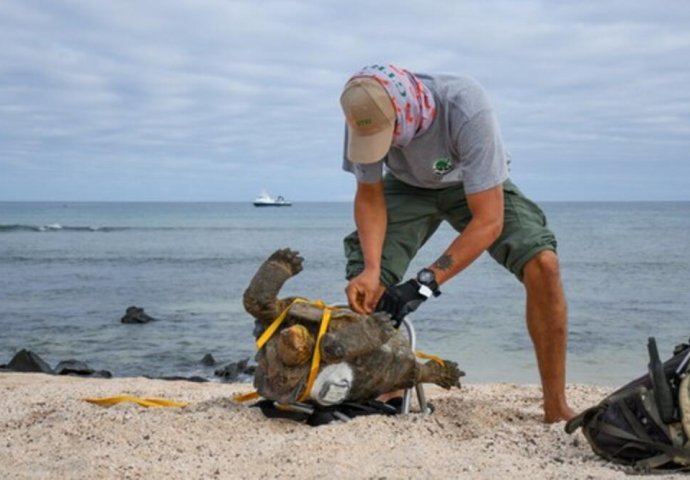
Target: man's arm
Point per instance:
(364, 290)
(481, 231)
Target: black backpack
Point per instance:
(646, 423)
(314, 415)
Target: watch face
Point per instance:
(426, 276)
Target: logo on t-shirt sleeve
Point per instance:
(442, 166)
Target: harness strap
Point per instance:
(245, 397)
(144, 402)
(316, 359)
(429, 356)
(268, 333)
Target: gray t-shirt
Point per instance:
(462, 145)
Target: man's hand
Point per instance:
(364, 291)
(400, 300)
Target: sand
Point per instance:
(480, 431)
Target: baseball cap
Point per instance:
(370, 119)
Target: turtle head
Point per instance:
(295, 345)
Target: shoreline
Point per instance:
(478, 431)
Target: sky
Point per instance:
(215, 100)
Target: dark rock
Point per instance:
(76, 367)
(208, 360)
(81, 369)
(194, 378)
(28, 361)
(136, 315)
(233, 370)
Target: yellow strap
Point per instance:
(428, 356)
(245, 397)
(268, 333)
(144, 402)
(316, 359)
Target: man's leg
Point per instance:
(527, 247)
(547, 325)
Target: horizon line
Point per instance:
(323, 201)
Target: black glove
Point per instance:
(400, 300)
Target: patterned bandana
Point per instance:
(414, 104)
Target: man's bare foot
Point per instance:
(561, 414)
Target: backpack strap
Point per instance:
(634, 422)
(582, 418)
(684, 404)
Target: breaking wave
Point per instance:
(56, 227)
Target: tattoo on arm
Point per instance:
(444, 262)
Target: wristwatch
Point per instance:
(428, 284)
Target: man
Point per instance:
(439, 138)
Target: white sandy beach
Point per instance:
(480, 431)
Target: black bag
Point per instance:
(317, 415)
(645, 423)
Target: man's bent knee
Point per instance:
(543, 265)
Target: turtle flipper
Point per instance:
(261, 297)
(446, 375)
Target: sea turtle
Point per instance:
(362, 356)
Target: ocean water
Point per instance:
(68, 271)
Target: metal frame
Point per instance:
(424, 408)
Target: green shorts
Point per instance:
(415, 213)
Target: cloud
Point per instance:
(137, 100)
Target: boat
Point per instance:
(265, 200)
